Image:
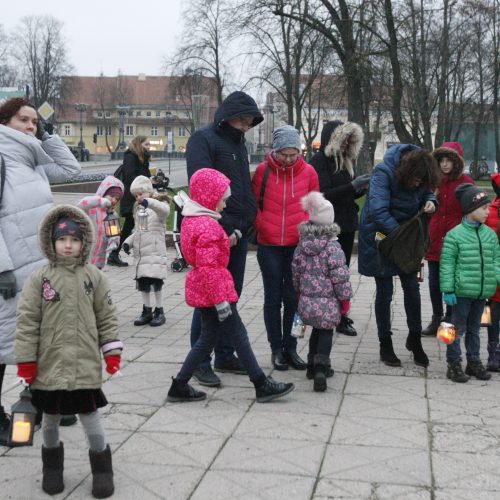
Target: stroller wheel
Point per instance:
(177, 266)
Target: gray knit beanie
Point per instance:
(286, 137)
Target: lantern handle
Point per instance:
(20, 380)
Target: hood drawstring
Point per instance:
(293, 192)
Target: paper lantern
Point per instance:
(446, 333)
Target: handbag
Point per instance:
(251, 232)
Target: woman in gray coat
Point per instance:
(31, 159)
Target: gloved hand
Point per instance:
(345, 306)
(27, 371)
(144, 203)
(126, 248)
(223, 310)
(105, 202)
(112, 363)
(43, 130)
(8, 285)
(361, 182)
(450, 299)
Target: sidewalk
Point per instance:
(377, 433)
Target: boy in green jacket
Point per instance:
(469, 274)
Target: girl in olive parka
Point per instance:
(65, 320)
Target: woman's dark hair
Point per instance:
(10, 108)
(418, 164)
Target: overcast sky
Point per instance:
(109, 35)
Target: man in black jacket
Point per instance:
(221, 146)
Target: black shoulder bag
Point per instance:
(252, 233)
(2, 177)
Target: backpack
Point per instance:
(119, 173)
(406, 246)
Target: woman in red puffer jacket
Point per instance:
(450, 157)
(287, 179)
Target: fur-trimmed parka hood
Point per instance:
(47, 224)
(458, 161)
(333, 136)
(315, 237)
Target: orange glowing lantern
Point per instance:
(486, 316)
(446, 333)
(112, 225)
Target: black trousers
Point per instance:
(127, 229)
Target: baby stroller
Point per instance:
(179, 263)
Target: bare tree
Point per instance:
(103, 93)
(8, 74)
(39, 48)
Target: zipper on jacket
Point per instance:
(284, 210)
(482, 262)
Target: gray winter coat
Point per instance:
(30, 166)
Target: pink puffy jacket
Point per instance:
(205, 244)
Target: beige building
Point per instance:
(106, 113)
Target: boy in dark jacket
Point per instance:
(469, 274)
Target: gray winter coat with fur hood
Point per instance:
(65, 314)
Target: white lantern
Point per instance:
(142, 219)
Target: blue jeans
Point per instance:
(383, 299)
(275, 264)
(435, 290)
(211, 329)
(466, 317)
(494, 328)
(223, 347)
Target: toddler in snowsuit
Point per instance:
(98, 207)
(65, 320)
(210, 286)
(321, 279)
(149, 248)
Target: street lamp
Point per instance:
(81, 108)
(122, 112)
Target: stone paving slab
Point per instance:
(377, 433)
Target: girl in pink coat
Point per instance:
(210, 287)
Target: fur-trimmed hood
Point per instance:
(47, 224)
(458, 161)
(315, 237)
(332, 137)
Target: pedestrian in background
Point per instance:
(65, 320)
(135, 162)
(221, 146)
(321, 279)
(29, 165)
(469, 274)
(450, 157)
(287, 179)
(334, 162)
(400, 187)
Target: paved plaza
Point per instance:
(377, 433)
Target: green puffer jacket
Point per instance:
(470, 262)
(65, 314)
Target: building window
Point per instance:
(158, 113)
(99, 114)
(167, 130)
(138, 113)
(186, 114)
(148, 113)
(130, 113)
(129, 130)
(154, 130)
(108, 114)
(108, 130)
(67, 129)
(182, 132)
(100, 130)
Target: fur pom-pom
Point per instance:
(312, 202)
(320, 210)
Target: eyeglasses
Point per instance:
(292, 157)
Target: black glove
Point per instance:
(361, 182)
(144, 203)
(8, 285)
(126, 248)
(223, 310)
(44, 130)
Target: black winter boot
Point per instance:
(414, 345)
(158, 317)
(493, 357)
(476, 369)
(182, 391)
(114, 259)
(346, 327)
(432, 327)
(53, 465)
(102, 473)
(320, 364)
(271, 389)
(145, 318)
(4, 427)
(455, 372)
(387, 355)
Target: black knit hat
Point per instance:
(471, 197)
(64, 227)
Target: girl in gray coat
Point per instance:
(150, 251)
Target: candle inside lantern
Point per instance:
(21, 431)
(486, 316)
(113, 230)
(446, 333)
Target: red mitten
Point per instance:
(27, 371)
(345, 306)
(112, 363)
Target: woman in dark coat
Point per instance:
(399, 188)
(339, 149)
(135, 163)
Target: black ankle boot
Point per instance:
(53, 466)
(387, 355)
(146, 316)
(414, 345)
(4, 427)
(114, 259)
(320, 364)
(310, 368)
(102, 473)
(271, 389)
(431, 330)
(183, 392)
(158, 317)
